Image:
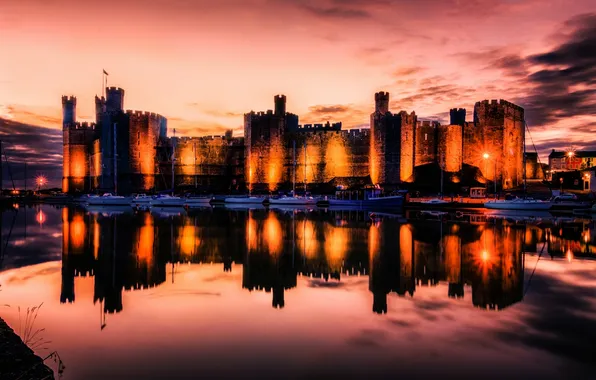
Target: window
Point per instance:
(426, 137)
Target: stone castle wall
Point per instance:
(426, 142)
(450, 147)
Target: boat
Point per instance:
(435, 201)
(368, 197)
(167, 201)
(108, 200)
(245, 200)
(141, 200)
(197, 201)
(297, 201)
(518, 204)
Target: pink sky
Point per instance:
(204, 63)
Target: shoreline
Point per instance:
(17, 359)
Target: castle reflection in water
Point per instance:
(132, 251)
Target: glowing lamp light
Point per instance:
(41, 180)
(569, 255)
(40, 217)
(486, 156)
(485, 256)
(570, 154)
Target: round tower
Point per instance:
(69, 110)
(114, 99)
(280, 105)
(382, 102)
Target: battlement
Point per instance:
(427, 123)
(101, 99)
(319, 127)
(144, 114)
(501, 103)
(114, 89)
(83, 125)
(69, 100)
(381, 95)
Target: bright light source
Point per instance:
(570, 154)
(485, 155)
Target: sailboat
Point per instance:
(524, 203)
(294, 200)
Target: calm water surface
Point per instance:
(226, 293)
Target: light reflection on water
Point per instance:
(318, 292)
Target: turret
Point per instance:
(457, 116)
(382, 102)
(114, 99)
(69, 110)
(280, 105)
(100, 108)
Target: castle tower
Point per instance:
(392, 144)
(426, 142)
(69, 110)
(280, 105)
(457, 116)
(114, 99)
(450, 147)
(382, 102)
(100, 108)
(499, 131)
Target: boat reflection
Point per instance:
(134, 251)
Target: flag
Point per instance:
(105, 72)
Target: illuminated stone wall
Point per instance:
(329, 155)
(426, 142)
(450, 147)
(77, 139)
(212, 160)
(144, 133)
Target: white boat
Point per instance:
(245, 200)
(518, 204)
(140, 200)
(197, 201)
(108, 200)
(435, 201)
(298, 201)
(167, 201)
(390, 201)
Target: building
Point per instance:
(130, 151)
(572, 160)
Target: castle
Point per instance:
(128, 151)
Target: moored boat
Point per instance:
(245, 200)
(297, 201)
(518, 204)
(167, 201)
(108, 200)
(197, 201)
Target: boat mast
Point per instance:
(173, 158)
(524, 158)
(115, 162)
(441, 168)
(294, 162)
(305, 167)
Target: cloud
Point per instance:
(39, 147)
(216, 113)
(406, 71)
(328, 109)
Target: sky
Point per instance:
(204, 63)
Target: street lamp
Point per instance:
(485, 156)
(40, 180)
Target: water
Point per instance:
(301, 293)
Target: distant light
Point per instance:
(485, 256)
(485, 155)
(570, 154)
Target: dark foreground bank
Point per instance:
(17, 361)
